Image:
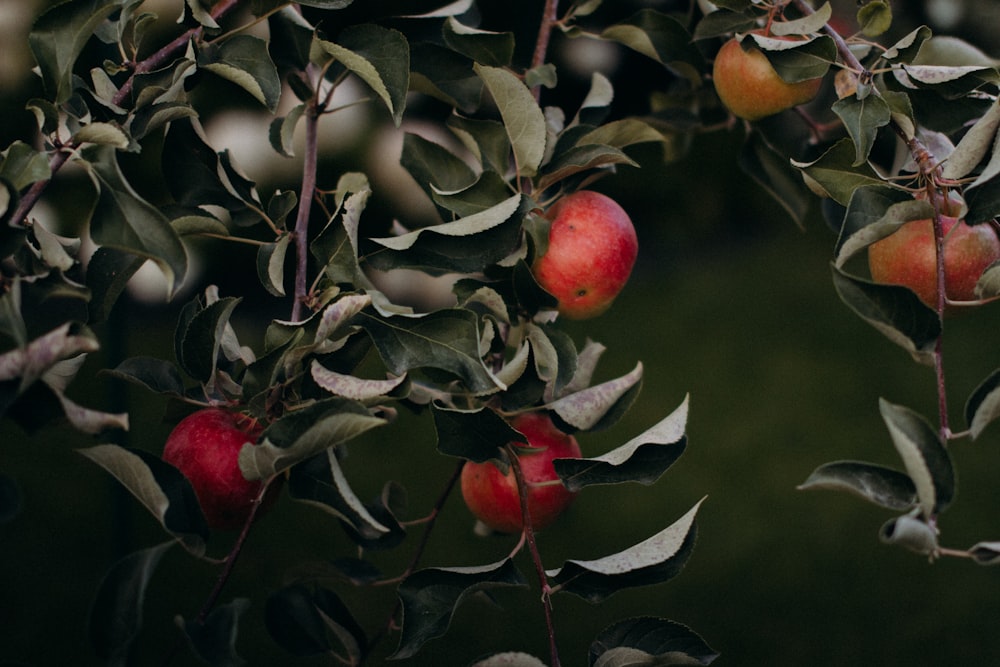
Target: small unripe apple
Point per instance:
(749, 86)
(908, 257)
(493, 497)
(591, 251)
(205, 447)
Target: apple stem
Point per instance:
(528, 534)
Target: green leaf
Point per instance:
(873, 213)
(477, 435)
(494, 49)
(810, 23)
(724, 22)
(108, 273)
(596, 406)
(651, 642)
(22, 165)
(836, 173)
(443, 74)
(911, 533)
(486, 139)
(863, 118)
(878, 484)
(924, 455)
(434, 167)
(201, 339)
(985, 553)
(661, 37)
(652, 561)
(282, 131)
(378, 56)
(116, 613)
(446, 339)
(302, 619)
(124, 220)
(773, 172)
(642, 459)
(469, 244)
(214, 641)
(245, 61)
(194, 175)
(894, 311)
(108, 134)
(522, 117)
(320, 482)
(983, 405)
(874, 18)
(430, 596)
(907, 47)
(271, 265)
(58, 37)
(31, 362)
(160, 487)
(154, 374)
(302, 434)
(582, 158)
(797, 60)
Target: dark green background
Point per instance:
(731, 303)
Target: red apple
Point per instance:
(591, 252)
(748, 85)
(493, 497)
(205, 447)
(908, 257)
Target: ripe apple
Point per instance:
(205, 447)
(748, 85)
(908, 257)
(591, 252)
(493, 497)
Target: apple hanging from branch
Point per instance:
(748, 84)
(591, 251)
(205, 447)
(908, 257)
(492, 496)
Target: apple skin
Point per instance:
(750, 88)
(493, 497)
(205, 447)
(908, 257)
(592, 249)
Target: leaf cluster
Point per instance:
(349, 358)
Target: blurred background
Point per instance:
(730, 303)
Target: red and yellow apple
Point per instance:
(493, 497)
(908, 257)
(205, 447)
(749, 86)
(591, 251)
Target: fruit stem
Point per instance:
(529, 534)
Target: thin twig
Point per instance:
(309, 162)
(536, 557)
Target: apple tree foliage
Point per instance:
(917, 114)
